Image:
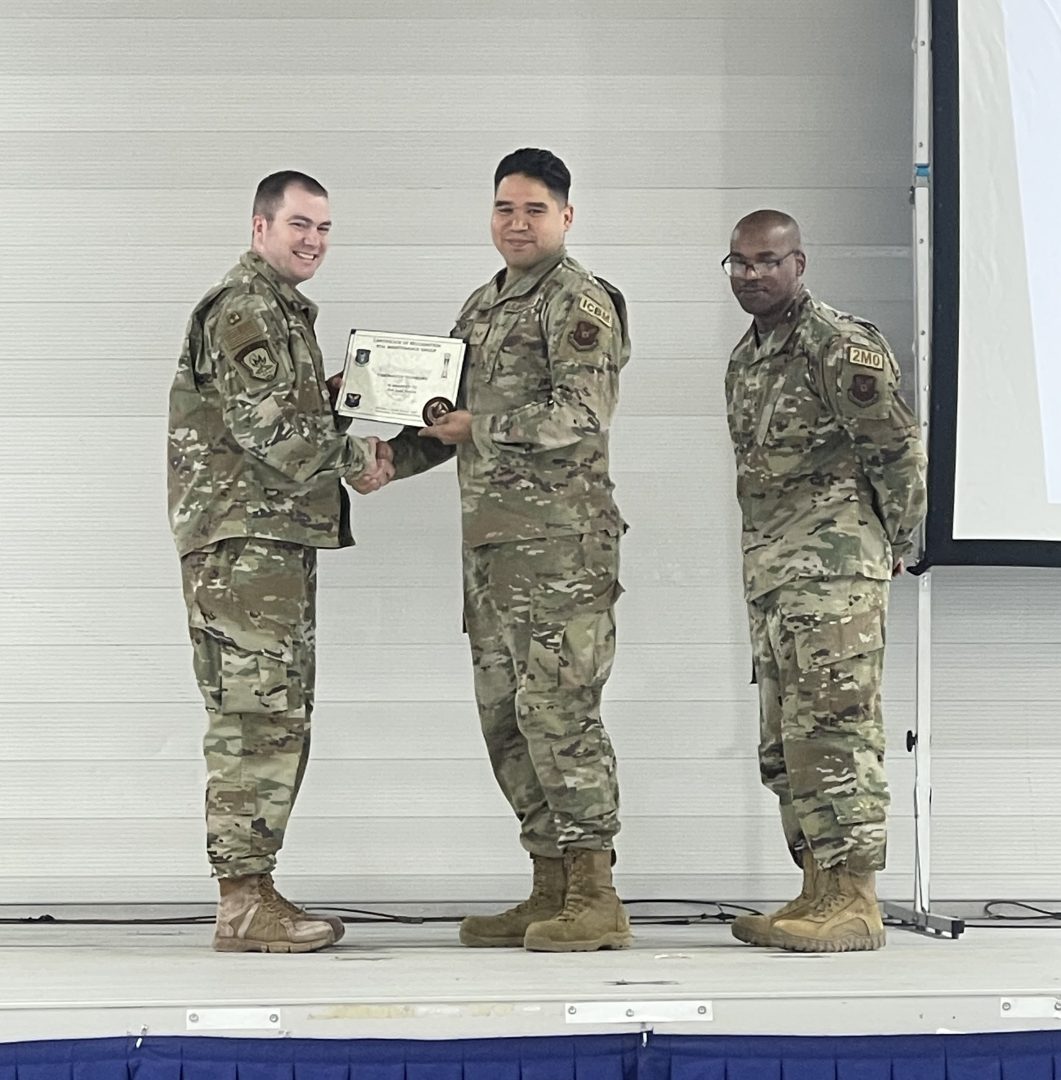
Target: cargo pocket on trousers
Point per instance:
(575, 651)
(585, 763)
(255, 682)
(858, 810)
(838, 637)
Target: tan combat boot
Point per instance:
(757, 929)
(252, 918)
(843, 918)
(509, 927)
(593, 916)
(268, 885)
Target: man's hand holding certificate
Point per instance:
(400, 378)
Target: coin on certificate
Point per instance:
(436, 408)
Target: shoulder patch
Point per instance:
(236, 332)
(863, 390)
(591, 307)
(863, 357)
(584, 336)
(257, 361)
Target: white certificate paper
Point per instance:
(400, 378)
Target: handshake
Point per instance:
(379, 471)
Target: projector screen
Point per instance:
(995, 431)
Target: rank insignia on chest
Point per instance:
(865, 357)
(863, 390)
(584, 336)
(258, 362)
(233, 318)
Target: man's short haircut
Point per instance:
(538, 165)
(771, 219)
(271, 191)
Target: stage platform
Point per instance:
(402, 982)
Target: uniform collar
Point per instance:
(511, 283)
(289, 296)
(777, 338)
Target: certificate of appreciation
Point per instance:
(400, 378)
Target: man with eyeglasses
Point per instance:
(831, 486)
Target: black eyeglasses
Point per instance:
(735, 266)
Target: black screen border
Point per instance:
(941, 549)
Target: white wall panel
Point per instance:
(362, 274)
(415, 101)
(739, 857)
(660, 615)
(997, 687)
(716, 733)
(133, 136)
(863, 217)
(147, 673)
(488, 17)
(867, 157)
(440, 46)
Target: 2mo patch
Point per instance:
(860, 356)
(862, 388)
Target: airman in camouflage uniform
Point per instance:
(255, 461)
(831, 486)
(546, 341)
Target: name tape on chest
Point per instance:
(590, 307)
(861, 357)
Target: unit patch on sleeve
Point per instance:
(863, 357)
(584, 336)
(863, 390)
(257, 361)
(591, 307)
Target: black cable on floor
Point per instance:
(1042, 918)
(722, 915)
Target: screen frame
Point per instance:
(941, 548)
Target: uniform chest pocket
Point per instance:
(768, 407)
(308, 368)
(481, 356)
(512, 335)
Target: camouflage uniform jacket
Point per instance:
(541, 380)
(254, 449)
(830, 466)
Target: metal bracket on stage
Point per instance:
(925, 922)
(638, 1012)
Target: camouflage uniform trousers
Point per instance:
(819, 655)
(540, 620)
(252, 617)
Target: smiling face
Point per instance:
(529, 222)
(293, 243)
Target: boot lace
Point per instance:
(539, 892)
(280, 902)
(832, 898)
(576, 901)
